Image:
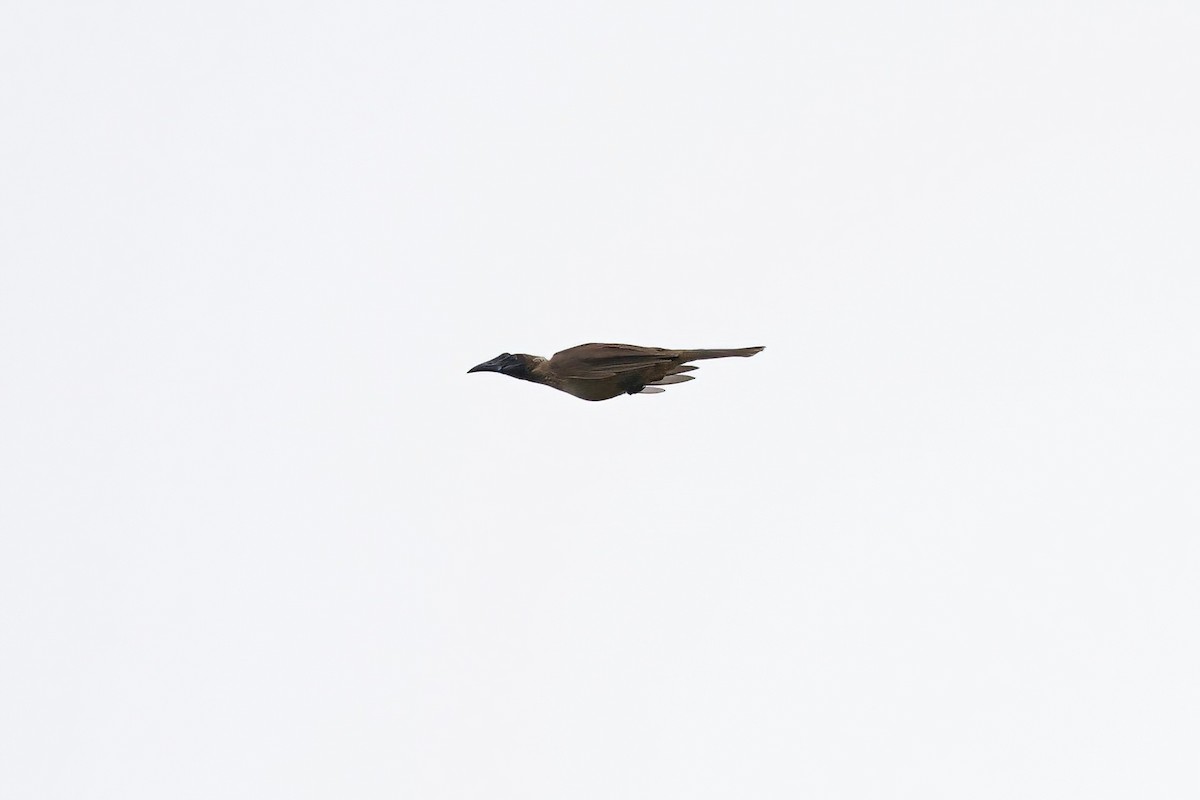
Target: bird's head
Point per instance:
(514, 365)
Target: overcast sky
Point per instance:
(262, 537)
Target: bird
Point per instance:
(603, 371)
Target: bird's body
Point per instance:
(604, 371)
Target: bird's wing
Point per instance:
(607, 360)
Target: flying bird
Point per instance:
(605, 371)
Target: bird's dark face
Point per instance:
(515, 366)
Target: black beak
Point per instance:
(488, 366)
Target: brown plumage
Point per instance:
(604, 371)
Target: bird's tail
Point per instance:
(740, 352)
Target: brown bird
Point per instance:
(604, 371)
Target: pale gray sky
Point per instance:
(264, 538)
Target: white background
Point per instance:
(262, 537)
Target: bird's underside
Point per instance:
(603, 371)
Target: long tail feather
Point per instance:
(740, 352)
(670, 379)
